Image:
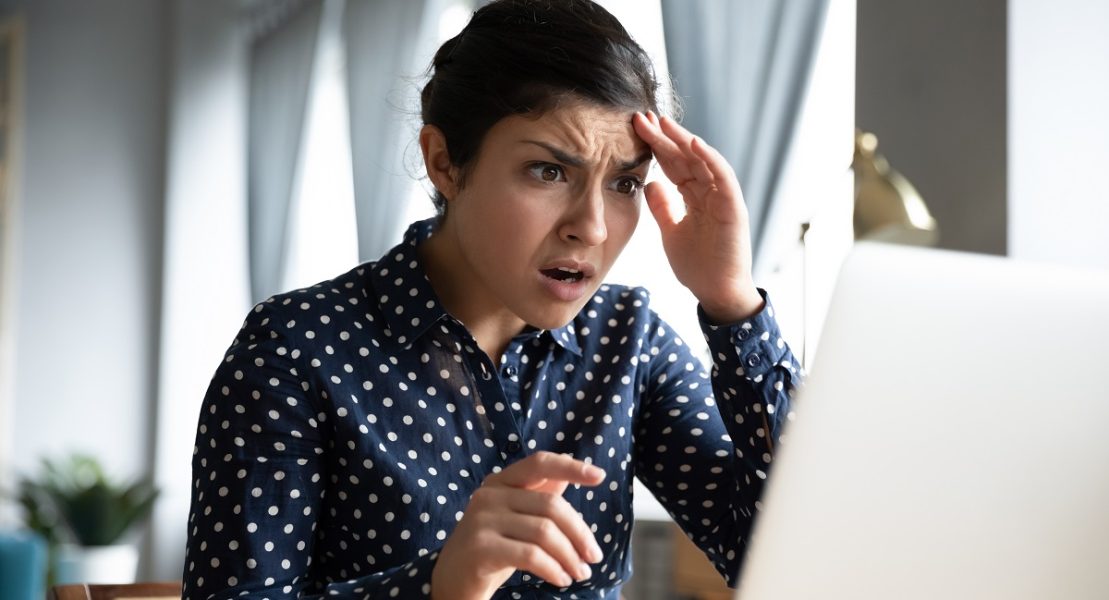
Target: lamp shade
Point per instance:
(887, 207)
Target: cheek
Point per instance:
(622, 221)
(511, 224)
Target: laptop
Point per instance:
(952, 441)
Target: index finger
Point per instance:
(670, 157)
(541, 467)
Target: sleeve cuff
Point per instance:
(755, 342)
(411, 580)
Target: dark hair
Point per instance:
(525, 57)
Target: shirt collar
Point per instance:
(566, 337)
(408, 301)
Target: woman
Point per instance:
(464, 417)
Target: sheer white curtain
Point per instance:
(206, 281)
(320, 236)
(389, 45)
(281, 61)
(742, 68)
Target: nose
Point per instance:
(585, 222)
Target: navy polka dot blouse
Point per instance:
(349, 423)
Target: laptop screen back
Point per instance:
(952, 440)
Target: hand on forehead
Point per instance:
(587, 135)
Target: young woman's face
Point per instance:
(546, 208)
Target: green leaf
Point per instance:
(73, 501)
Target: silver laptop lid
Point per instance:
(952, 441)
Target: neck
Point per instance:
(465, 299)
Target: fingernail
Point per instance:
(584, 572)
(565, 580)
(593, 470)
(595, 554)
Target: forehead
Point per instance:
(595, 133)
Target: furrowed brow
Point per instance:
(576, 161)
(560, 155)
(635, 162)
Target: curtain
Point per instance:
(388, 46)
(281, 60)
(741, 68)
(205, 270)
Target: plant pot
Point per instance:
(97, 564)
(22, 565)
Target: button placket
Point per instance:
(510, 370)
(497, 392)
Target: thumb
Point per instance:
(662, 205)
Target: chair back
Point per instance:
(130, 591)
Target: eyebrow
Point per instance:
(576, 161)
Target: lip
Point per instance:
(587, 269)
(568, 291)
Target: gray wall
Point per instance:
(89, 263)
(931, 84)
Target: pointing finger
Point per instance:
(670, 157)
(540, 468)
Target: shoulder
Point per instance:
(342, 298)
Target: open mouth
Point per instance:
(564, 274)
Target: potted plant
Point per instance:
(84, 517)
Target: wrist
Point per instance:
(458, 590)
(449, 585)
(736, 307)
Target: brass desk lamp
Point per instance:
(887, 207)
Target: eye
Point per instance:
(629, 186)
(547, 172)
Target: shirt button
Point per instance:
(510, 371)
(512, 447)
(743, 334)
(753, 360)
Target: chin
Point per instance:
(544, 312)
(554, 317)
(550, 320)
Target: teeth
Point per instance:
(568, 270)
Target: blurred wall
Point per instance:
(88, 264)
(931, 84)
(1059, 131)
(995, 110)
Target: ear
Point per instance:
(437, 161)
